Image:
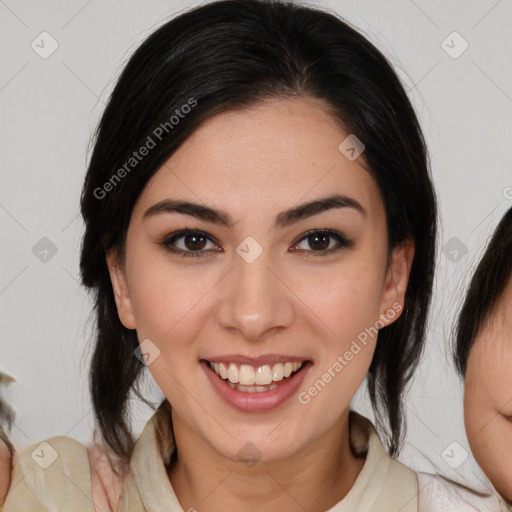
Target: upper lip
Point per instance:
(267, 359)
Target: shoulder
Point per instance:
(55, 474)
(437, 493)
(5, 470)
(106, 484)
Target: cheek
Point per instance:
(346, 296)
(488, 380)
(165, 299)
(487, 400)
(169, 309)
(478, 391)
(487, 394)
(491, 445)
(477, 410)
(347, 300)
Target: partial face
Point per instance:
(488, 396)
(262, 292)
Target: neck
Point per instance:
(315, 478)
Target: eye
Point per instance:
(194, 242)
(319, 240)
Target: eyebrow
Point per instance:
(282, 220)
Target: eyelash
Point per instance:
(167, 242)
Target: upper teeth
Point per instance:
(248, 376)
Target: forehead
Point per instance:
(280, 151)
(502, 312)
(495, 332)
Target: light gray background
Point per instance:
(50, 107)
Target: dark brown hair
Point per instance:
(486, 287)
(227, 55)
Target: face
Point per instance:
(254, 288)
(488, 396)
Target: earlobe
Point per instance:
(121, 292)
(397, 279)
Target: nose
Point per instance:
(256, 301)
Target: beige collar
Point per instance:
(383, 483)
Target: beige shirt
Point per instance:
(55, 475)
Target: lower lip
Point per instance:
(256, 402)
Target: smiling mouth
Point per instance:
(261, 379)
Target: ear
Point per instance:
(121, 292)
(396, 280)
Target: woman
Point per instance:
(6, 447)
(260, 233)
(483, 356)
